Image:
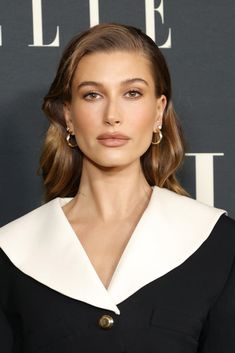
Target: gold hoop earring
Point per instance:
(157, 131)
(68, 137)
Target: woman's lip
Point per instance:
(114, 135)
(113, 142)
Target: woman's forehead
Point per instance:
(113, 66)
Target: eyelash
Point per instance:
(90, 97)
(135, 91)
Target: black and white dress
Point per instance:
(173, 290)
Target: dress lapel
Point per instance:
(172, 228)
(43, 245)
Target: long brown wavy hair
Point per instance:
(61, 165)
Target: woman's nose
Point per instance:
(112, 121)
(112, 114)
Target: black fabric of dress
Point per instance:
(190, 309)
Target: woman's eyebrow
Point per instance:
(88, 83)
(99, 84)
(133, 80)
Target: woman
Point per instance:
(119, 258)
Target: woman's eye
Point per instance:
(91, 95)
(133, 94)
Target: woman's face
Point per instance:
(114, 92)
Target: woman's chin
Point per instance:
(112, 163)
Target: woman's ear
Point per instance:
(158, 121)
(68, 115)
(160, 107)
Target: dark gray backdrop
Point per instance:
(201, 58)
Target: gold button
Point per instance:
(106, 321)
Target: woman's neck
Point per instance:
(110, 194)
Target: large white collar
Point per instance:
(43, 245)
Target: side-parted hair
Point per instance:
(61, 165)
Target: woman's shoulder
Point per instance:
(225, 226)
(191, 219)
(30, 216)
(186, 210)
(184, 203)
(29, 226)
